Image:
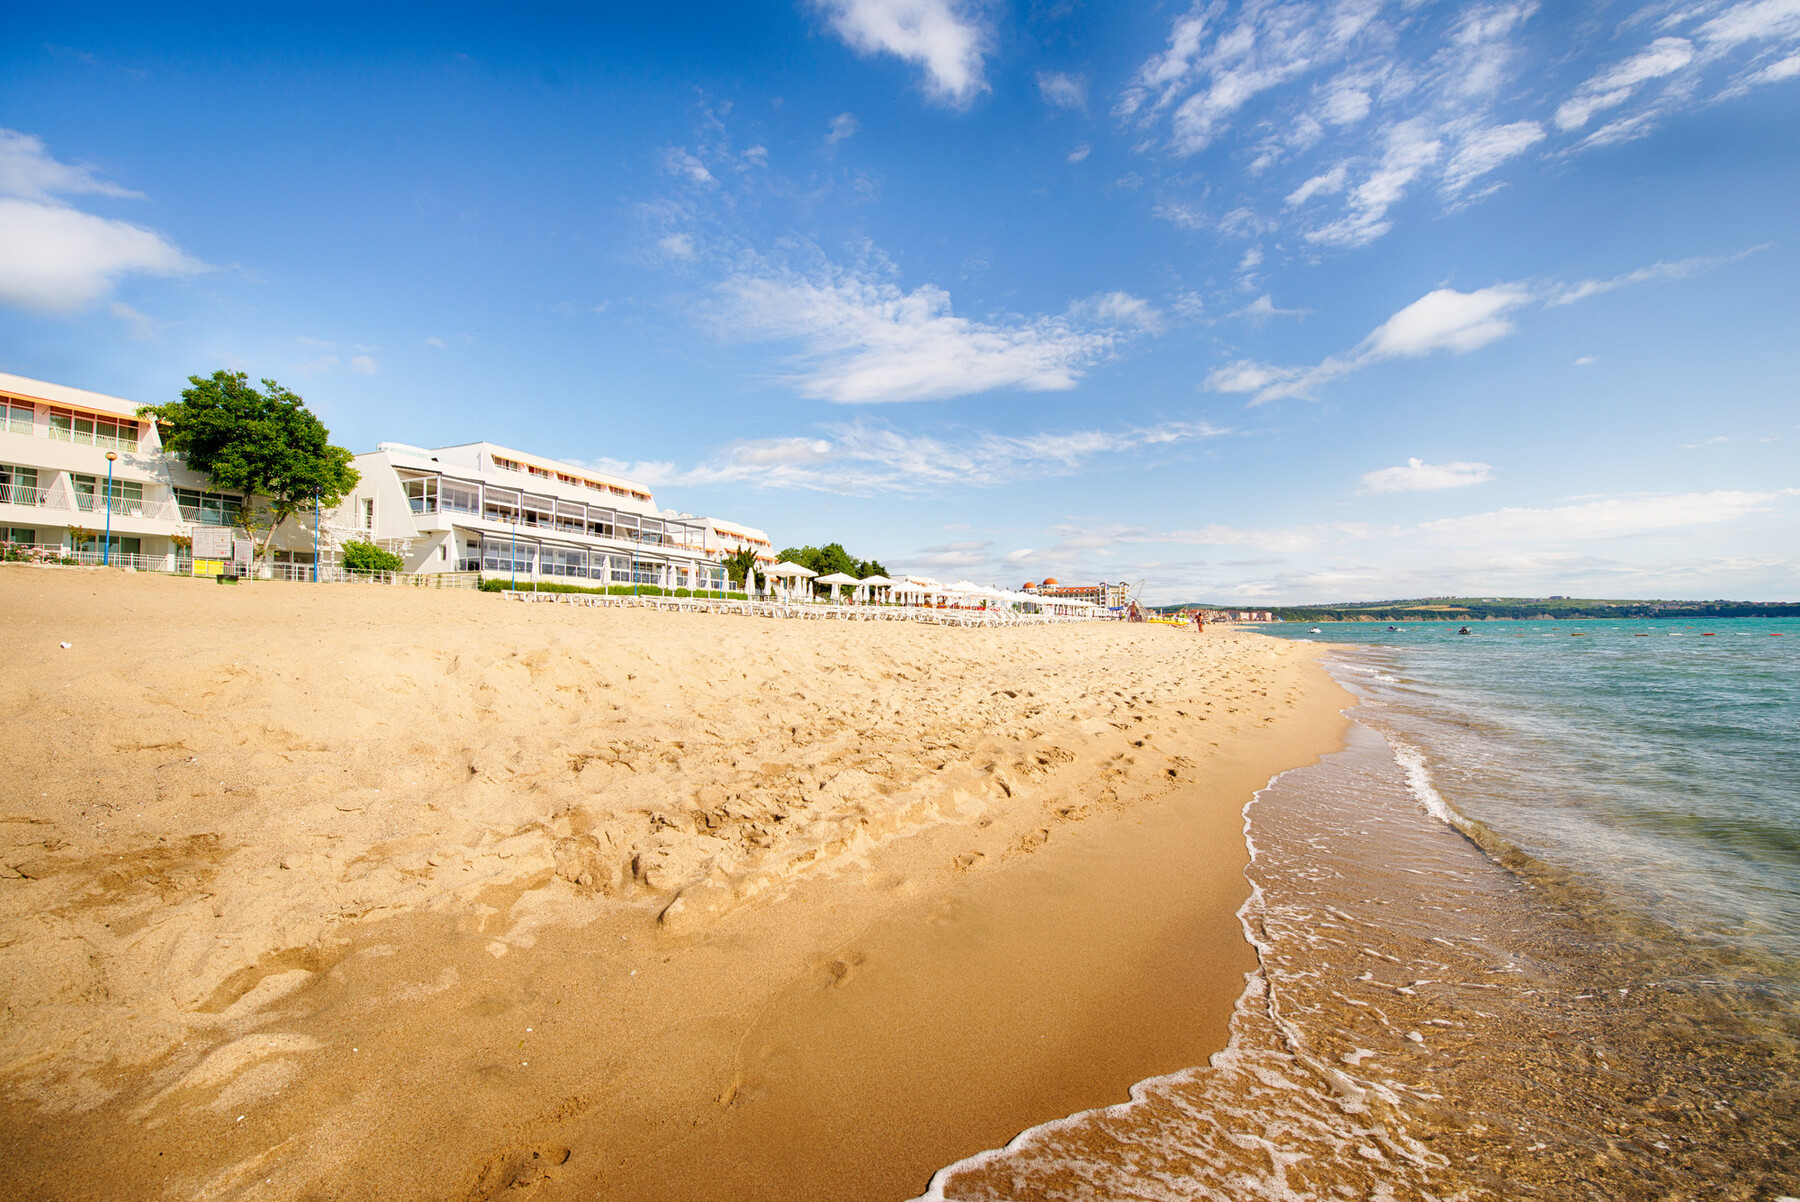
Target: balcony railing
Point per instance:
(19, 494)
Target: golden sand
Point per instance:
(333, 891)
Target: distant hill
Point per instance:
(1468, 609)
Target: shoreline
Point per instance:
(871, 1011)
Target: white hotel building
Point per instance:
(471, 508)
(491, 509)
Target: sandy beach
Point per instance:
(329, 891)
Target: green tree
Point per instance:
(804, 556)
(367, 557)
(265, 445)
(832, 558)
(738, 564)
(866, 568)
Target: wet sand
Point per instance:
(314, 892)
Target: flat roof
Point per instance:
(62, 394)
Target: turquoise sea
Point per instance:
(1534, 933)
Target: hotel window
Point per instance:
(17, 415)
(422, 495)
(67, 425)
(84, 490)
(368, 513)
(21, 535)
(537, 511)
(458, 498)
(19, 486)
(206, 508)
(500, 505)
(127, 496)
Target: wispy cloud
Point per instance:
(1415, 475)
(873, 459)
(843, 126)
(944, 38)
(1062, 91)
(55, 258)
(1441, 320)
(1680, 269)
(861, 339)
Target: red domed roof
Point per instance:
(1027, 586)
(1048, 582)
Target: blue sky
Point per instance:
(1259, 303)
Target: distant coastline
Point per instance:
(1467, 609)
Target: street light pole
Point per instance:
(512, 557)
(315, 538)
(106, 547)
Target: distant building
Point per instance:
(479, 507)
(1111, 596)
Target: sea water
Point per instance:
(1534, 933)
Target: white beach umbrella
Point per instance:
(872, 583)
(836, 580)
(787, 571)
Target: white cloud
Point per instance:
(843, 126)
(57, 259)
(1613, 86)
(1062, 91)
(1345, 106)
(1680, 269)
(1415, 475)
(1614, 517)
(935, 34)
(1445, 319)
(1080, 152)
(1410, 149)
(679, 162)
(1759, 20)
(364, 365)
(864, 340)
(1441, 320)
(871, 459)
(28, 172)
(1714, 441)
(677, 246)
(1586, 360)
(1264, 307)
(432, 340)
(1322, 184)
(1482, 150)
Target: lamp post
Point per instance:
(315, 538)
(512, 557)
(106, 547)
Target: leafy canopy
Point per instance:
(266, 444)
(833, 558)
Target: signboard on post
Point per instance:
(212, 548)
(242, 550)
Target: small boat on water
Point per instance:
(1315, 630)
(1465, 630)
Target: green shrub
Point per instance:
(367, 557)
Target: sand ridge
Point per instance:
(214, 792)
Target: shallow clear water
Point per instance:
(1534, 933)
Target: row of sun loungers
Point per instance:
(804, 610)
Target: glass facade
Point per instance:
(207, 508)
(17, 415)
